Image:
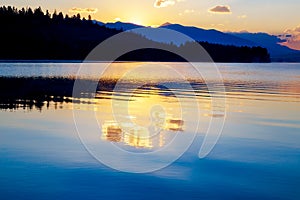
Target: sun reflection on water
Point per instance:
(140, 137)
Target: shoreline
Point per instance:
(82, 61)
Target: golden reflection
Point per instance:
(140, 118)
(112, 132)
(139, 137)
(174, 125)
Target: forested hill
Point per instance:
(31, 34)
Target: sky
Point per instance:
(271, 16)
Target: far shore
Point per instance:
(84, 61)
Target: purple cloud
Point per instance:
(220, 9)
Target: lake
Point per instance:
(135, 130)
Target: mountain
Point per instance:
(122, 26)
(272, 43)
(198, 34)
(98, 22)
(166, 24)
(211, 36)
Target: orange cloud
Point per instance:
(220, 9)
(292, 38)
(83, 10)
(163, 3)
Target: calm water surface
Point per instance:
(257, 155)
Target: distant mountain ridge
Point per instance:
(211, 36)
(271, 42)
(123, 26)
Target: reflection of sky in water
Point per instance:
(256, 157)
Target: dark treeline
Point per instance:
(31, 34)
(236, 54)
(217, 52)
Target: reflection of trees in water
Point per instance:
(39, 92)
(29, 93)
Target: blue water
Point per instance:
(257, 156)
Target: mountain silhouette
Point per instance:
(211, 36)
(166, 24)
(271, 42)
(122, 26)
